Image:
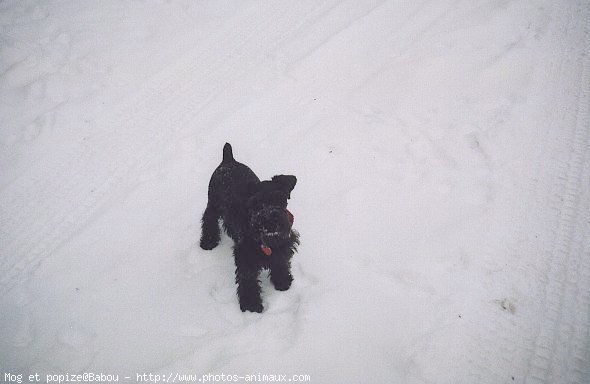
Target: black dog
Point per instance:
(255, 216)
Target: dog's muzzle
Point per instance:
(277, 232)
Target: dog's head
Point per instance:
(270, 220)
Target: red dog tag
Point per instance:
(266, 250)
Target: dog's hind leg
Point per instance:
(210, 232)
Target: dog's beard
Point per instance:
(271, 226)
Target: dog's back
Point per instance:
(229, 183)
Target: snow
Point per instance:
(443, 162)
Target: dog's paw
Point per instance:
(252, 307)
(209, 243)
(282, 284)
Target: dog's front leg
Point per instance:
(247, 279)
(280, 272)
(248, 289)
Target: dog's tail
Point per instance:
(228, 155)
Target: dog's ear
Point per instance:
(285, 183)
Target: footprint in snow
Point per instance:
(506, 305)
(74, 347)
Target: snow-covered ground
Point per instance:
(443, 163)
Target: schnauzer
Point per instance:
(255, 216)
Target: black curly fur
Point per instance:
(254, 215)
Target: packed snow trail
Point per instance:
(442, 151)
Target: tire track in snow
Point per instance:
(554, 350)
(325, 27)
(561, 347)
